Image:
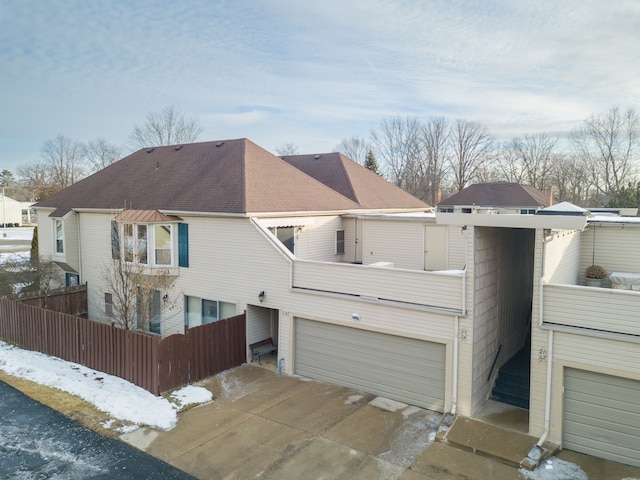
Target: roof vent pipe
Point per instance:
(178, 147)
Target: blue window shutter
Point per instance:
(183, 244)
(115, 240)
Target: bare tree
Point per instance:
(529, 159)
(139, 296)
(609, 142)
(435, 137)
(398, 144)
(100, 154)
(570, 179)
(470, 145)
(36, 179)
(355, 148)
(287, 149)
(65, 160)
(165, 127)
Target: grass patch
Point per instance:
(69, 405)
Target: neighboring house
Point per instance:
(497, 197)
(356, 281)
(14, 212)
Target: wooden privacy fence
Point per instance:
(71, 300)
(155, 364)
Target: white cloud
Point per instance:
(89, 69)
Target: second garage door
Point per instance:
(404, 369)
(602, 416)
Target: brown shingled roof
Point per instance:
(231, 176)
(498, 194)
(354, 181)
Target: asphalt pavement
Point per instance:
(37, 442)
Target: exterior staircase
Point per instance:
(512, 385)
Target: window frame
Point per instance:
(58, 240)
(340, 242)
(219, 305)
(141, 248)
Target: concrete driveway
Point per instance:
(262, 425)
(266, 426)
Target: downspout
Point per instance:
(454, 394)
(547, 406)
(79, 250)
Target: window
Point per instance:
(465, 210)
(200, 311)
(339, 242)
(162, 244)
(149, 244)
(72, 279)
(445, 209)
(286, 235)
(149, 319)
(528, 211)
(59, 236)
(108, 304)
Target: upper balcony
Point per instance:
(596, 309)
(434, 290)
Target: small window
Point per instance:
(528, 211)
(200, 311)
(445, 209)
(163, 244)
(72, 279)
(339, 242)
(108, 304)
(465, 210)
(59, 236)
(286, 235)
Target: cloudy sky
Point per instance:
(309, 73)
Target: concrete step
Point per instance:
(480, 438)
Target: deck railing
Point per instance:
(439, 289)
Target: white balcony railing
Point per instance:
(601, 309)
(438, 290)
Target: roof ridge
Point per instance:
(349, 179)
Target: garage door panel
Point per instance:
(405, 369)
(602, 415)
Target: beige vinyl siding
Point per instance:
(396, 241)
(617, 248)
(71, 247)
(456, 248)
(258, 324)
(314, 237)
(45, 233)
(95, 237)
(602, 309)
(435, 289)
(562, 257)
(318, 242)
(349, 227)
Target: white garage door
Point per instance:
(404, 369)
(602, 416)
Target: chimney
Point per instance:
(549, 196)
(438, 197)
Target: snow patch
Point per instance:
(387, 404)
(353, 399)
(117, 397)
(190, 395)
(555, 469)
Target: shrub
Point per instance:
(595, 271)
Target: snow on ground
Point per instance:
(117, 397)
(14, 257)
(555, 469)
(16, 233)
